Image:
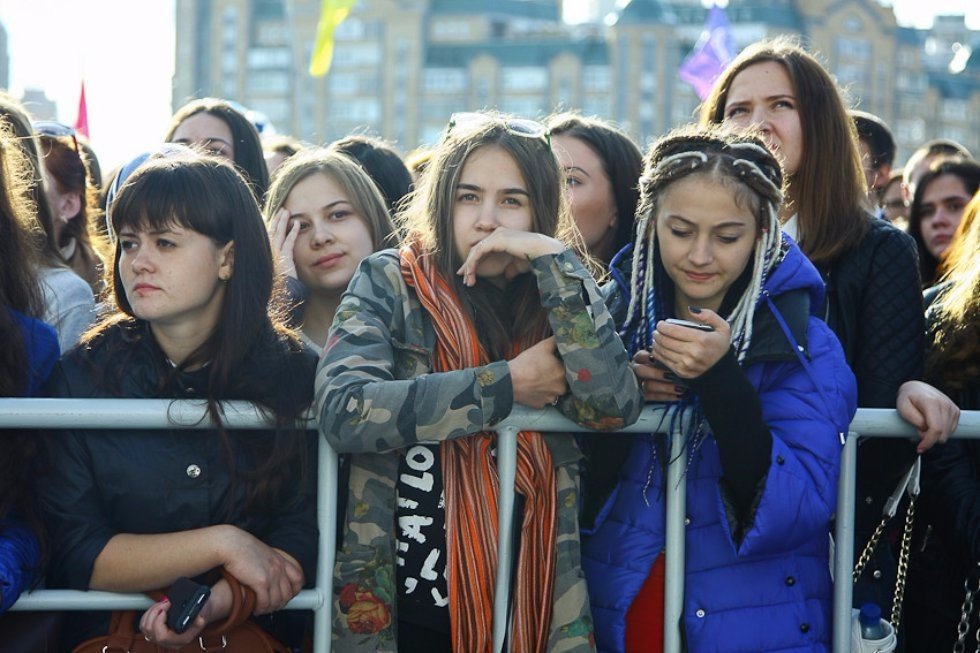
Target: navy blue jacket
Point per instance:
(757, 580)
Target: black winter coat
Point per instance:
(102, 483)
(874, 305)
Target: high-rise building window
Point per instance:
(524, 79)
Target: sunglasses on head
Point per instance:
(54, 129)
(468, 120)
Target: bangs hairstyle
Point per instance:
(428, 220)
(828, 190)
(621, 160)
(362, 193)
(249, 157)
(738, 161)
(207, 195)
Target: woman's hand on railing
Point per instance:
(930, 411)
(274, 575)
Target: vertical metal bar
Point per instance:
(507, 472)
(844, 546)
(326, 518)
(675, 542)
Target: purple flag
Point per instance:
(714, 49)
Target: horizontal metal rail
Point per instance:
(166, 414)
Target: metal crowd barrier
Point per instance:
(166, 414)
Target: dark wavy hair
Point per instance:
(829, 189)
(968, 172)
(249, 157)
(249, 350)
(622, 162)
(383, 164)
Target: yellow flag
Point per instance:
(332, 13)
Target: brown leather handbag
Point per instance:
(234, 633)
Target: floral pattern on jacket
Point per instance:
(376, 394)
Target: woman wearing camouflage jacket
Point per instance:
(410, 385)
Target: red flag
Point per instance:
(81, 123)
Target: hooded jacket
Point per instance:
(756, 580)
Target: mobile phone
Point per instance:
(689, 324)
(186, 600)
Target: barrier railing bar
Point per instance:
(163, 413)
(675, 542)
(844, 545)
(507, 473)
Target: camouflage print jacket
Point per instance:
(376, 394)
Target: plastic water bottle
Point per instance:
(873, 627)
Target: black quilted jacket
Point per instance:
(874, 305)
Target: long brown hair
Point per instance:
(69, 169)
(429, 220)
(20, 237)
(954, 333)
(20, 124)
(248, 144)
(828, 189)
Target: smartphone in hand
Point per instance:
(186, 600)
(690, 324)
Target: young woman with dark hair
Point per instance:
(484, 306)
(192, 282)
(873, 300)
(950, 504)
(219, 128)
(29, 351)
(383, 164)
(74, 201)
(937, 208)
(602, 168)
(69, 304)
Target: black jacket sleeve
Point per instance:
(731, 406)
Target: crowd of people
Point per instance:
(764, 272)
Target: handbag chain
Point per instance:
(908, 485)
(966, 612)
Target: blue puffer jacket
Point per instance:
(19, 551)
(770, 589)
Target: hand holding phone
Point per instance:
(690, 324)
(186, 600)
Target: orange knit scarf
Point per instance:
(470, 488)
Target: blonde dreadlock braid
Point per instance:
(739, 160)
